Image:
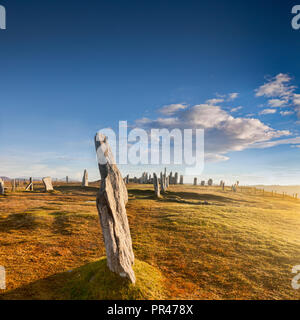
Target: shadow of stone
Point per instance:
(141, 194)
(18, 221)
(173, 196)
(43, 289)
(182, 197)
(61, 224)
(78, 190)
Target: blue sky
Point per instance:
(71, 68)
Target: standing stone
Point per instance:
(202, 183)
(85, 179)
(13, 185)
(47, 184)
(111, 201)
(171, 178)
(181, 179)
(176, 178)
(2, 192)
(195, 181)
(67, 179)
(210, 182)
(162, 183)
(156, 185)
(223, 185)
(127, 179)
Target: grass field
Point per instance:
(201, 243)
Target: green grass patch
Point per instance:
(95, 281)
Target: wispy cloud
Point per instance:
(236, 109)
(268, 111)
(214, 101)
(275, 103)
(282, 92)
(172, 108)
(232, 96)
(286, 113)
(269, 144)
(276, 87)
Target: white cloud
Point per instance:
(269, 144)
(296, 102)
(279, 87)
(275, 103)
(172, 108)
(211, 157)
(236, 109)
(232, 96)
(214, 101)
(268, 111)
(276, 87)
(223, 132)
(286, 113)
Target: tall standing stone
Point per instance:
(2, 191)
(85, 179)
(195, 181)
(181, 179)
(13, 185)
(202, 183)
(156, 185)
(111, 201)
(176, 178)
(47, 184)
(162, 183)
(171, 178)
(210, 182)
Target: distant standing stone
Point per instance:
(176, 178)
(48, 184)
(195, 181)
(85, 179)
(2, 187)
(210, 182)
(111, 201)
(181, 179)
(156, 185)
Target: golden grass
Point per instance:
(208, 244)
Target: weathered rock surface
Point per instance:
(48, 184)
(85, 179)
(111, 201)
